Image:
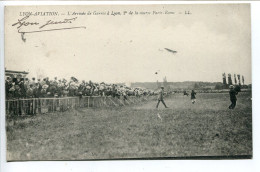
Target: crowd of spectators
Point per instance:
(19, 87)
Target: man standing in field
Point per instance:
(160, 98)
(193, 98)
(233, 98)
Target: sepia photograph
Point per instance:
(110, 82)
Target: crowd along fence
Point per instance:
(33, 106)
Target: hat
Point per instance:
(45, 86)
(12, 89)
(231, 86)
(162, 87)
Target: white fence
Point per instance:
(33, 106)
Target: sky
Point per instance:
(212, 40)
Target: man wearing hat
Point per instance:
(32, 82)
(233, 98)
(29, 94)
(160, 98)
(8, 86)
(193, 97)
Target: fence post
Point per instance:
(39, 106)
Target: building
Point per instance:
(13, 74)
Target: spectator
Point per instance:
(233, 98)
(160, 98)
(193, 97)
(18, 87)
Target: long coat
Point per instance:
(233, 94)
(160, 96)
(193, 95)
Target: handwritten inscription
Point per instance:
(50, 22)
(28, 24)
(24, 23)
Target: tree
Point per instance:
(229, 79)
(165, 84)
(224, 78)
(218, 86)
(238, 77)
(235, 78)
(196, 86)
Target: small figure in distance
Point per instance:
(185, 93)
(160, 98)
(233, 98)
(193, 98)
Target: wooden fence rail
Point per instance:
(33, 106)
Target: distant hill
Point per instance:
(177, 85)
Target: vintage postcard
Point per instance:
(104, 82)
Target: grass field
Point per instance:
(207, 128)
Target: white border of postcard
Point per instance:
(143, 165)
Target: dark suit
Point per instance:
(160, 99)
(233, 98)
